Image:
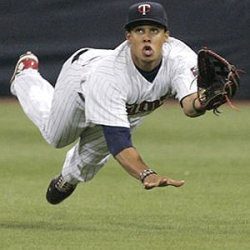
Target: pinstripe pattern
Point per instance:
(116, 84)
(87, 157)
(95, 87)
(35, 96)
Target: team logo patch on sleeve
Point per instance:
(195, 71)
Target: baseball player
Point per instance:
(101, 96)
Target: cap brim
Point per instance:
(137, 22)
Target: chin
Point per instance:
(148, 59)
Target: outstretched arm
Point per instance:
(131, 161)
(119, 143)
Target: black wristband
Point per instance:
(146, 173)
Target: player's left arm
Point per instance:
(184, 82)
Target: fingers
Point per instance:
(169, 182)
(160, 181)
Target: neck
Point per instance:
(145, 65)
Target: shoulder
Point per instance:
(176, 49)
(117, 56)
(178, 56)
(111, 69)
(114, 63)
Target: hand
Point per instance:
(154, 180)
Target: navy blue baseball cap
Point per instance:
(144, 12)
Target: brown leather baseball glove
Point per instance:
(218, 80)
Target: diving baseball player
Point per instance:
(101, 96)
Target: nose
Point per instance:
(147, 37)
(146, 40)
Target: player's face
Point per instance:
(146, 45)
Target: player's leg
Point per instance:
(66, 120)
(87, 157)
(33, 92)
(59, 112)
(82, 163)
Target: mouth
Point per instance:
(147, 50)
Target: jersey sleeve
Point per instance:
(184, 74)
(105, 102)
(117, 138)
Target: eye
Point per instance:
(154, 31)
(139, 30)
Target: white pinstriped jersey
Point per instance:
(115, 90)
(115, 94)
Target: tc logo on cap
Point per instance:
(144, 9)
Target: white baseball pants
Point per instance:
(59, 114)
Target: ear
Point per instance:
(166, 35)
(128, 35)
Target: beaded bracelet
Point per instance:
(146, 173)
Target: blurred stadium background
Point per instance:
(54, 29)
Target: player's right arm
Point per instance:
(131, 161)
(119, 143)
